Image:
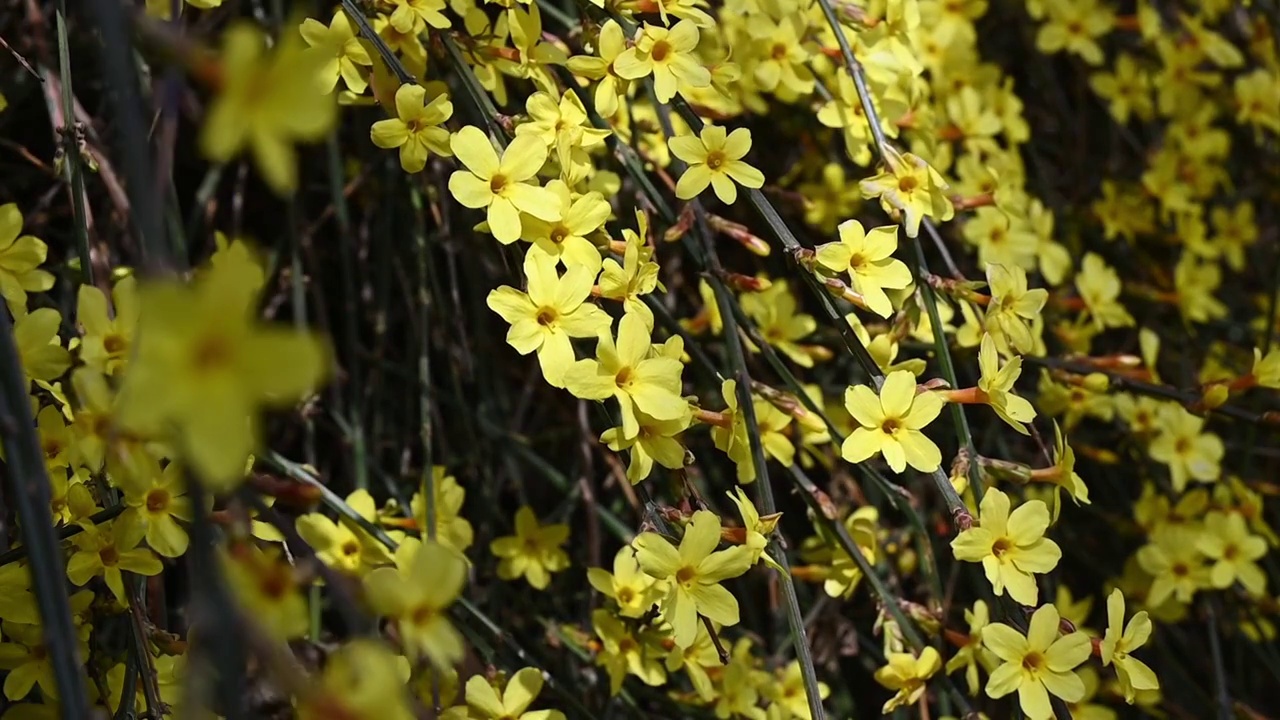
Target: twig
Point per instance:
(27, 484)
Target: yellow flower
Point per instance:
(563, 126)
(611, 87)
(654, 441)
(342, 51)
(39, 348)
(972, 653)
(626, 371)
(554, 310)
(624, 652)
(565, 239)
(907, 675)
(631, 589)
(1233, 552)
(29, 661)
(695, 572)
(266, 588)
(1183, 445)
(771, 426)
(362, 680)
(1076, 27)
(715, 159)
(203, 365)
(534, 552)
(107, 341)
(416, 128)
(1010, 546)
(343, 545)
(868, 258)
(636, 276)
(669, 56)
(1121, 640)
(997, 384)
(155, 500)
(411, 15)
(1175, 565)
(522, 689)
(910, 185)
(501, 184)
(1037, 664)
(106, 551)
(787, 691)
(266, 102)
(416, 594)
(891, 424)
(1099, 287)
(1012, 308)
(776, 315)
(451, 528)
(20, 259)
(756, 530)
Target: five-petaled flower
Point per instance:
(501, 185)
(890, 424)
(1010, 546)
(715, 159)
(695, 571)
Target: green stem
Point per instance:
(28, 489)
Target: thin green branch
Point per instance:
(71, 147)
(28, 490)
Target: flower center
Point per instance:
(1230, 551)
(109, 556)
(157, 500)
(625, 596)
(779, 51)
(547, 316)
(908, 183)
(715, 160)
(350, 548)
(1033, 662)
(623, 377)
(213, 352)
(890, 426)
(559, 233)
(275, 584)
(113, 344)
(686, 574)
(497, 183)
(1001, 546)
(660, 51)
(423, 615)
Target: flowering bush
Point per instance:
(639, 380)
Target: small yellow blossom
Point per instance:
(416, 594)
(504, 186)
(267, 102)
(867, 256)
(416, 129)
(204, 364)
(1121, 640)
(695, 572)
(715, 159)
(534, 552)
(1011, 546)
(669, 56)
(554, 309)
(907, 675)
(891, 424)
(20, 260)
(1037, 664)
